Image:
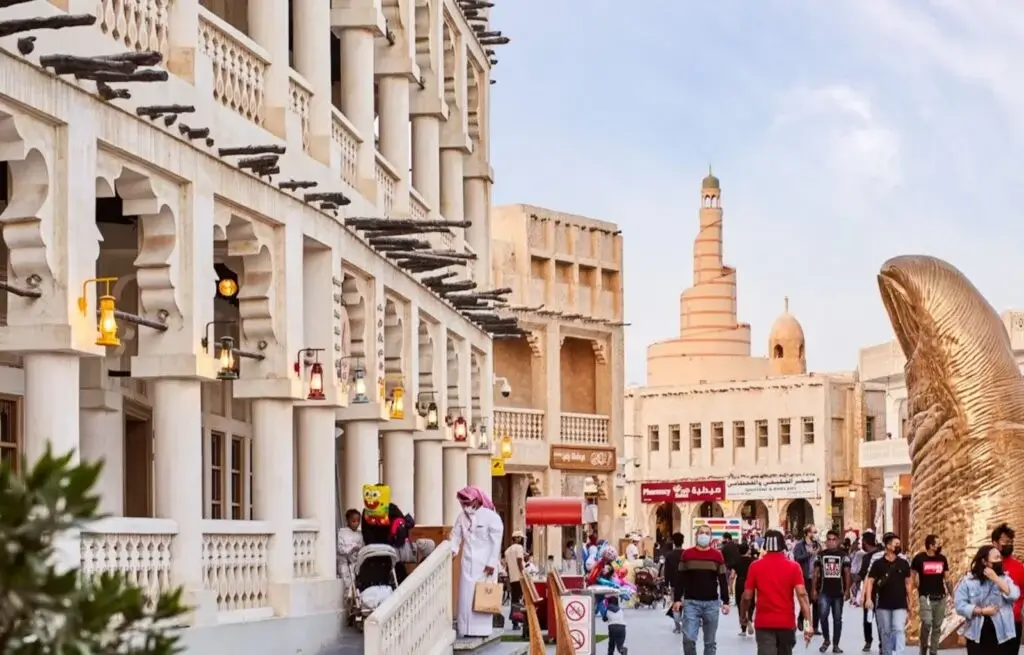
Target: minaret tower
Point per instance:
(707, 310)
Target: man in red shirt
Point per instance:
(1002, 538)
(774, 579)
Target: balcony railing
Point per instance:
(417, 618)
(239, 66)
(305, 534)
(519, 424)
(883, 453)
(418, 209)
(235, 559)
(138, 548)
(348, 139)
(137, 26)
(300, 95)
(584, 429)
(387, 179)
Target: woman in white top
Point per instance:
(478, 532)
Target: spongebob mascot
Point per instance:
(384, 522)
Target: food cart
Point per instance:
(547, 511)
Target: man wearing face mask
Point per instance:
(701, 590)
(1003, 538)
(931, 577)
(890, 583)
(477, 532)
(805, 553)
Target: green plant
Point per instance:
(45, 610)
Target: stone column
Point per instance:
(312, 20)
(400, 467)
(451, 185)
(273, 468)
(478, 236)
(317, 486)
(394, 134)
(455, 476)
(426, 158)
(268, 26)
(357, 61)
(178, 462)
(361, 465)
(102, 436)
(183, 35)
(429, 479)
(553, 424)
(478, 469)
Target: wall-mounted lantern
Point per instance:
(316, 371)
(106, 325)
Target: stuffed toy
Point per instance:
(383, 521)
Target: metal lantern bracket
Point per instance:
(312, 356)
(238, 352)
(33, 281)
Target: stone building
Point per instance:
(719, 433)
(886, 455)
(258, 358)
(563, 414)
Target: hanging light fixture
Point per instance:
(227, 360)
(227, 287)
(359, 385)
(432, 416)
(460, 429)
(316, 372)
(106, 326)
(397, 403)
(506, 447)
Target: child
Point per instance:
(616, 626)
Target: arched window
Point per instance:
(777, 351)
(801, 351)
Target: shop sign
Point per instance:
(682, 491)
(598, 459)
(768, 487)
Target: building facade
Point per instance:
(719, 433)
(266, 357)
(563, 411)
(887, 455)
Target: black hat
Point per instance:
(774, 541)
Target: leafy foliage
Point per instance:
(45, 610)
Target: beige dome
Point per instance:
(786, 345)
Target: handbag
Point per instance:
(487, 597)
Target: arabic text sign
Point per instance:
(766, 487)
(583, 458)
(682, 491)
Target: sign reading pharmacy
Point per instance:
(598, 459)
(767, 487)
(682, 491)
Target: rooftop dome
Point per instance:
(786, 328)
(710, 181)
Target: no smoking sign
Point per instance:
(579, 615)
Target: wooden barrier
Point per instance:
(531, 597)
(557, 590)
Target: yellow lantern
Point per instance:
(398, 403)
(106, 327)
(227, 287)
(506, 447)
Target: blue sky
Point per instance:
(844, 132)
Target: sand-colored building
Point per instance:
(887, 454)
(719, 432)
(563, 408)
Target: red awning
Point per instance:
(545, 510)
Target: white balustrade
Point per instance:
(138, 548)
(304, 538)
(239, 66)
(519, 424)
(136, 25)
(300, 95)
(387, 179)
(345, 135)
(417, 618)
(584, 429)
(235, 567)
(418, 209)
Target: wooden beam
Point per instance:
(392, 224)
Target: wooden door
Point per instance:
(138, 467)
(901, 517)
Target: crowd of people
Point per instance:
(774, 572)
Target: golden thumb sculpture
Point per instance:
(966, 411)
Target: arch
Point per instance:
(667, 519)
(449, 66)
(426, 361)
(394, 369)
(709, 509)
(26, 218)
(799, 514)
(778, 352)
(707, 201)
(344, 363)
(756, 512)
(801, 350)
(425, 16)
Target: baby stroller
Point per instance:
(648, 588)
(375, 580)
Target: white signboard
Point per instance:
(579, 612)
(767, 487)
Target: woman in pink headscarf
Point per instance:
(477, 531)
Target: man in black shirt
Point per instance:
(890, 579)
(931, 575)
(670, 567)
(869, 545)
(739, 581)
(830, 587)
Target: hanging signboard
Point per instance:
(682, 491)
(768, 487)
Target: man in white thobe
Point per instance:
(478, 531)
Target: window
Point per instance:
(10, 437)
(696, 438)
(739, 434)
(237, 463)
(869, 428)
(717, 435)
(785, 432)
(808, 423)
(675, 434)
(762, 433)
(216, 475)
(653, 438)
